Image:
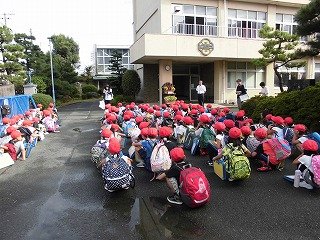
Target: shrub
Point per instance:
(89, 88)
(88, 95)
(44, 99)
(123, 99)
(64, 88)
(131, 83)
(41, 85)
(302, 105)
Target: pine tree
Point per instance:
(117, 70)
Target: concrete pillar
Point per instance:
(165, 75)
(220, 83)
(30, 89)
(223, 18)
(310, 68)
(270, 79)
(271, 15)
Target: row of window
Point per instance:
(202, 20)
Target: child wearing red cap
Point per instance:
(299, 136)
(172, 176)
(216, 145)
(235, 143)
(304, 163)
(17, 141)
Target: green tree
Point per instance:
(131, 83)
(11, 53)
(280, 49)
(35, 60)
(86, 76)
(117, 71)
(65, 58)
(41, 84)
(308, 18)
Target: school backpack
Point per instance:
(117, 174)
(98, 152)
(315, 163)
(207, 135)
(11, 150)
(194, 187)
(238, 165)
(129, 127)
(316, 137)
(160, 158)
(195, 146)
(190, 135)
(288, 134)
(277, 150)
(145, 152)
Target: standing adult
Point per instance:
(241, 90)
(201, 90)
(108, 95)
(264, 90)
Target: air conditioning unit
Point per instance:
(177, 9)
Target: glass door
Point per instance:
(194, 81)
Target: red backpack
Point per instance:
(194, 187)
(12, 151)
(277, 150)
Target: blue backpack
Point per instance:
(146, 151)
(129, 125)
(195, 146)
(288, 134)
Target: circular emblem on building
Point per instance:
(205, 46)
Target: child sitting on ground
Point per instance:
(172, 176)
(310, 148)
(261, 134)
(18, 144)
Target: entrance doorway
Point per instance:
(194, 81)
(185, 86)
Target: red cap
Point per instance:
(36, 120)
(164, 106)
(150, 110)
(51, 105)
(177, 154)
(115, 127)
(188, 120)
(10, 129)
(310, 145)
(15, 134)
(126, 117)
(26, 123)
(222, 114)
(204, 118)
(5, 120)
(201, 110)
(209, 106)
(39, 105)
(234, 133)
(179, 113)
(114, 146)
(229, 123)
(277, 120)
(119, 104)
(13, 121)
(219, 126)
(153, 132)
(139, 119)
(112, 118)
(175, 108)
(300, 128)
(226, 110)
(27, 113)
(165, 132)
(106, 133)
(144, 125)
(184, 106)
(260, 133)
(214, 111)
(144, 132)
(194, 112)
(178, 118)
(246, 131)
(157, 113)
(248, 120)
(268, 117)
(166, 114)
(288, 121)
(240, 114)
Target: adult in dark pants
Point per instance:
(241, 90)
(201, 90)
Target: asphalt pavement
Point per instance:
(57, 193)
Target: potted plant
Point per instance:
(170, 99)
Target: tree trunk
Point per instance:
(280, 78)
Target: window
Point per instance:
(245, 24)
(194, 20)
(104, 56)
(286, 23)
(250, 75)
(289, 74)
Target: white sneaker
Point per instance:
(305, 185)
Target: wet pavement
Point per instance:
(58, 193)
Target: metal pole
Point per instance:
(52, 81)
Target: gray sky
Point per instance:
(102, 22)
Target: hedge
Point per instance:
(123, 99)
(302, 105)
(44, 99)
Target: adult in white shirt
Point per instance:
(108, 95)
(201, 90)
(264, 90)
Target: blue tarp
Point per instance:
(19, 104)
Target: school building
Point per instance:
(182, 41)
